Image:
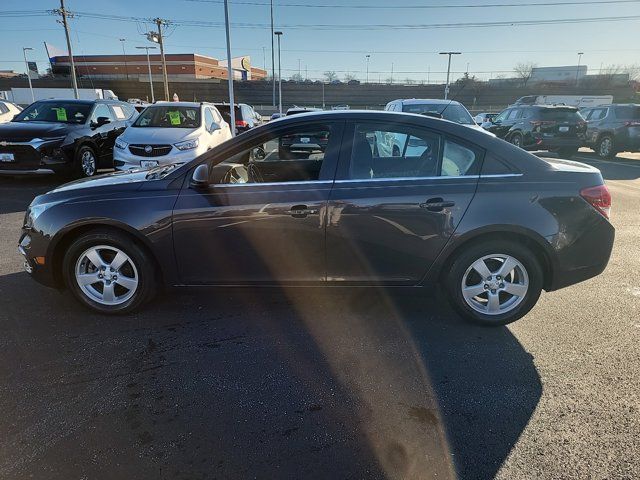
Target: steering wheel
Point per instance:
(255, 176)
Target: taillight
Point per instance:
(599, 198)
(241, 123)
(539, 123)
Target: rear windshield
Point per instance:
(560, 114)
(168, 116)
(225, 112)
(452, 112)
(55, 112)
(628, 111)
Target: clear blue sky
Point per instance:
(487, 49)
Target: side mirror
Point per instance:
(200, 178)
(100, 121)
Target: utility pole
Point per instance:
(368, 57)
(264, 58)
(323, 94)
(299, 71)
(578, 67)
(446, 87)
(392, 73)
(74, 81)
(124, 55)
(159, 22)
(232, 104)
(279, 34)
(153, 98)
(273, 60)
(26, 64)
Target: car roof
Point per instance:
(181, 104)
(72, 100)
(420, 101)
(549, 107)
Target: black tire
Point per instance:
(605, 147)
(81, 168)
(143, 263)
(516, 139)
(567, 152)
(455, 273)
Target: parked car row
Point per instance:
(607, 129)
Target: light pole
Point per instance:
(279, 34)
(153, 98)
(24, 53)
(578, 67)
(124, 55)
(273, 60)
(446, 87)
(367, 57)
(232, 104)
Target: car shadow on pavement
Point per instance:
(270, 383)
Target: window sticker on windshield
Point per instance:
(61, 114)
(174, 118)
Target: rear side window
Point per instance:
(458, 160)
(494, 166)
(119, 112)
(631, 112)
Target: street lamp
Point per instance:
(24, 53)
(153, 98)
(368, 57)
(232, 103)
(124, 54)
(279, 34)
(446, 87)
(578, 67)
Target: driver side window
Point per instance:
(295, 155)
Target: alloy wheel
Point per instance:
(88, 161)
(605, 147)
(516, 140)
(106, 275)
(495, 284)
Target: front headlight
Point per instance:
(121, 144)
(187, 144)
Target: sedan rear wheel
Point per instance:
(108, 272)
(494, 283)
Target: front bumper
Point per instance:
(35, 262)
(123, 159)
(33, 157)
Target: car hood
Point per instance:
(27, 131)
(159, 135)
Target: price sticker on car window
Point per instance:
(174, 118)
(61, 114)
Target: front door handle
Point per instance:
(301, 211)
(437, 204)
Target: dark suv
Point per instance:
(66, 136)
(541, 127)
(613, 128)
(246, 117)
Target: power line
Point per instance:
(425, 7)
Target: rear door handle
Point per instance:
(301, 211)
(437, 204)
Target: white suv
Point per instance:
(170, 132)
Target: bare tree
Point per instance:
(409, 81)
(524, 71)
(330, 75)
(296, 77)
(349, 76)
(633, 71)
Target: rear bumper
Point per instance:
(550, 143)
(585, 258)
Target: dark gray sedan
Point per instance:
(488, 222)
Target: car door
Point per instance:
(224, 133)
(242, 229)
(595, 124)
(103, 136)
(500, 126)
(390, 216)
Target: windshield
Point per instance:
(169, 116)
(628, 111)
(453, 112)
(55, 112)
(560, 115)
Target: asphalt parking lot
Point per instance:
(317, 384)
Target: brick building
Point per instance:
(180, 66)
